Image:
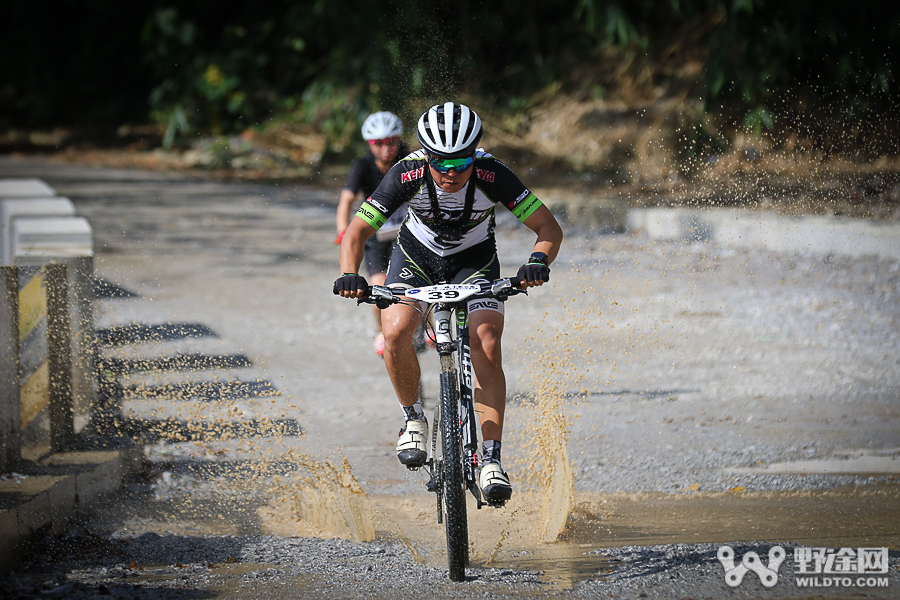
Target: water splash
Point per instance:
(547, 464)
(327, 502)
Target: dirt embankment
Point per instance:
(625, 127)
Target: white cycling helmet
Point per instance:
(381, 125)
(449, 130)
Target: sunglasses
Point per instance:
(391, 141)
(444, 165)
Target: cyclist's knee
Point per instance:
(485, 340)
(398, 327)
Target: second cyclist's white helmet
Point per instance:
(449, 130)
(381, 125)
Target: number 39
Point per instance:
(439, 295)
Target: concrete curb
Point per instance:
(604, 214)
(56, 490)
(752, 229)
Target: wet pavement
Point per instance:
(702, 396)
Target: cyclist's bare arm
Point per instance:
(352, 248)
(345, 205)
(549, 233)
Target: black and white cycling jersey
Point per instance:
(406, 183)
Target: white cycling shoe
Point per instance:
(494, 483)
(412, 447)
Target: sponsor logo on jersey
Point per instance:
(412, 175)
(485, 175)
(534, 200)
(521, 197)
(376, 204)
(405, 273)
(368, 214)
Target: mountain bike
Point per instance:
(454, 470)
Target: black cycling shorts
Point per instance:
(414, 265)
(377, 255)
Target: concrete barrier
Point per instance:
(606, 214)
(47, 379)
(25, 188)
(55, 490)
(68, 241)
(754, 229)
(17, 208)
(10, 410)
(51, 237)
(45, 361)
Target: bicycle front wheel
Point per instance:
(454, 486)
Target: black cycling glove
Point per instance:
(350, 282)
(536, 269)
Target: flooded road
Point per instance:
(665, 399)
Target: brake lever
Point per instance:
(380, 296)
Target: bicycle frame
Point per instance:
(446, 346)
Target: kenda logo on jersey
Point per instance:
(485, 175)
(412, 175)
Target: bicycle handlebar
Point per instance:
(501, 289)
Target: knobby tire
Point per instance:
(454, 489)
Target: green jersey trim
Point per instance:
(527, 207)
(371, 216)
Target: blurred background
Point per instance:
(667, 100)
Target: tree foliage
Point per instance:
(221, 66)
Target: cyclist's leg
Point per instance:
(485, 331)
(377, 257)
(400, 322)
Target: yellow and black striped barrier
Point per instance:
(10, 410)
(34, 366)
(44, 359)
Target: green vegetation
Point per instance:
(203, 66)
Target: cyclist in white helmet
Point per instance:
(382, 130)
(451, 188)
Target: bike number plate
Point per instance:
(448, 292)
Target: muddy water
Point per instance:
(240, 580)
(845, 517)
(507, 538)
(511, 537)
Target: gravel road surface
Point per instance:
(707, 396)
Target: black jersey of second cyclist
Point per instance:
(405, 184)
(365, 176)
